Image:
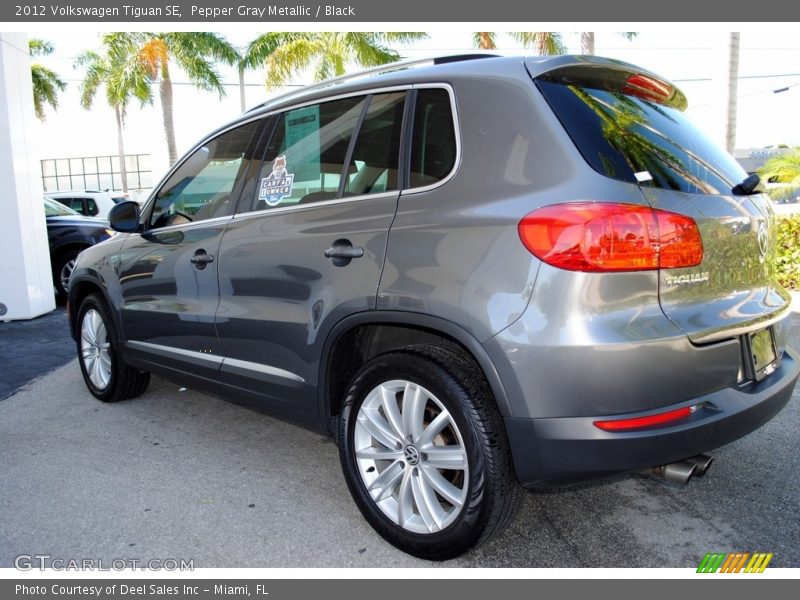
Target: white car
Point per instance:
(88, 203)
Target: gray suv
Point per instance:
(478, 273)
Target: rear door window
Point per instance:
(638, 140)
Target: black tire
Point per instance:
(492, 493)
(125, 381)
(58, 266)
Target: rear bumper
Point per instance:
(550, 451)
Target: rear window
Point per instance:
(55, 209)
(433, 141)
(639, 141)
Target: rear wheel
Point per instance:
(108, 378)
(424, 452)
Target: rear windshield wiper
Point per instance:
(749, 186)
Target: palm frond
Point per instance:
(153, 56)
(292, 58)
(38, 47)
(260, 48)
(782, 168)
(46, 86)
(367, 50)
(485, 40)
(206, 44)
(96, 74)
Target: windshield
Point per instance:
(56, 209)
(639, 141)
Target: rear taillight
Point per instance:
(602, 236)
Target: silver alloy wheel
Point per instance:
(66, 271)
(95, 347)
(411, 456)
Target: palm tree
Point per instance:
(544, 42)
(122, 79)
(783, 168)
(194, 52)
(587, 40)
(46, 84)
(286, 55)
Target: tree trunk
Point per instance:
(166, 108)
(123, 171)
(241, 89)
(733, 90)
(587, 42)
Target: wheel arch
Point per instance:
(79, 289)
(335, 373)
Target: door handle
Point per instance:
(342, 252)
(201, 259)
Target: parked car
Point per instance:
(68, 233)
(475, 273)
(88, 203)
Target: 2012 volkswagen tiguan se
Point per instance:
(479, 274)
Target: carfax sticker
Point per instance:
(278, 184)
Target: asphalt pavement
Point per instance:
(183, 475)
(31, 348)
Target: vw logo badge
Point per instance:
(763, 239)
(411, 455)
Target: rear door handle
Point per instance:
(201, 259)
(342, 252)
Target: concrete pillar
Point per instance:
(26, 282)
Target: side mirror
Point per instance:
(124, 217)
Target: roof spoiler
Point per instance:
(613, 76)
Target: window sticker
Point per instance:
(303, 142)
(278, 184)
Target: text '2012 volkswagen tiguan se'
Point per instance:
(479, 274)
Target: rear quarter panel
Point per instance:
(454, 251)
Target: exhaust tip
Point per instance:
(701, 462)
(679, 472)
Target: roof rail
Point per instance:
(379, 70)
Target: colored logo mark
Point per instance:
(735, 562)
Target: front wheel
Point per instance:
(424, 452)
(105, 373)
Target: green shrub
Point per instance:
(787, 250)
